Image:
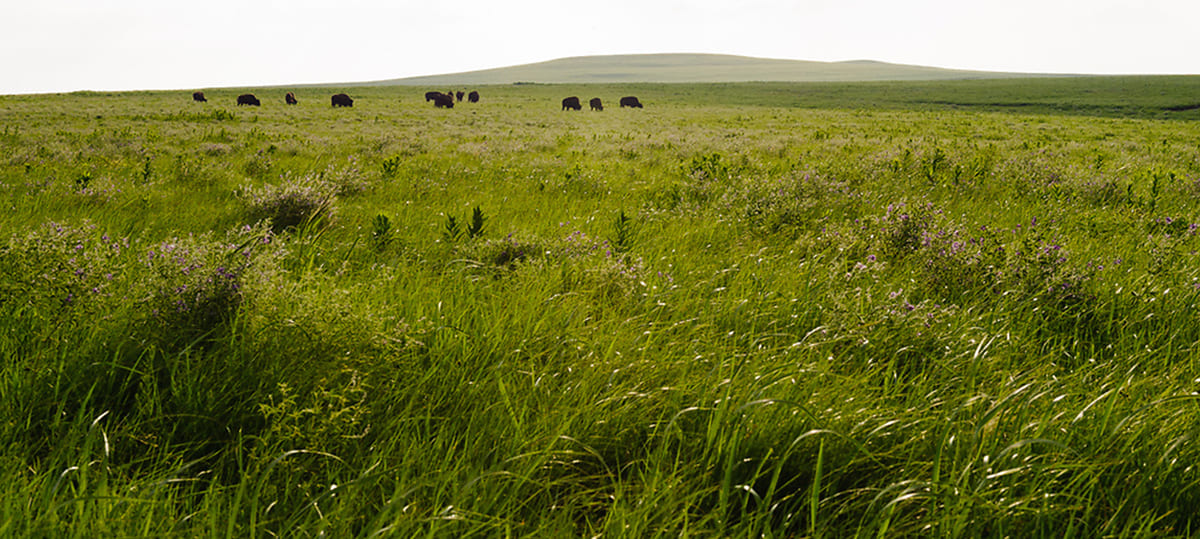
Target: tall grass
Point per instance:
(707, 317)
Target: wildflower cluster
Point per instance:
(955, 260)
(1172, 226)
(96, 190)
(1169, 246)
(959, 260)
(60, 265)
(195, 283)
(578, 244)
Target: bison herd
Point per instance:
(572, 103)
(439, 99)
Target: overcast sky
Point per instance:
(67, 45)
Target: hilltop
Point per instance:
(680, 67)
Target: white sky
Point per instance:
(67, 45)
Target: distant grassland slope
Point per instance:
(632, 68)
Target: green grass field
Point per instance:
(945, 309)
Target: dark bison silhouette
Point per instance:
(473, 97)
(441, 100)
(290, 98)
(199, 96)
(341, 100)
(247, 99)
(459, 95)
(631, 101)
(596, 104)
(430, 96)
(572, 103)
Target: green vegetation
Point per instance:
(780, 310)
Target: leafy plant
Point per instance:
(391, 166)
(475, 229)
(708, 167)
(451, 231)
(381, 232)
(147, 169)
(623, 234)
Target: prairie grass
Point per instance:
(715, 316)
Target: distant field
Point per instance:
(888, 309)
(1147, 97)
(695, 68)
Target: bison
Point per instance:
(442, 100)
(199, 96)
(430, 96)
(247, 99)
(473, 96)
(596, 104)
(341, 100)
(572, 103)
(290, 98)
(631, 101)
(459, 95)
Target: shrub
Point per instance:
(791, 202)
(504, 253)
(259, 165)
(291, 202)
(347, 179)
(597, 266)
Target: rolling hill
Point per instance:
(681, 67)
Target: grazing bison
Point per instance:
(199, 96)
(341, 100)
(442, 100)
(459, 95)
(631, 101)
(247, 99)
(473, 96)
(596, 104)
(290, 98)
(572, 103)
